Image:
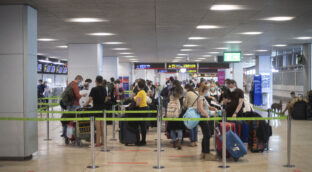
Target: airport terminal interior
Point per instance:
(155, 85)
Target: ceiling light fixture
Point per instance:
(46, 39)
(233, 42)
(251, 33)
(197, 38)
(208, 27)
(227, 7)
(101, 34)
(190, 45)
(222, 48)
(303, 37)
(179, 57)
(202, 58)
(186, 50)
(129, 56)
(279, 45)
(182, 54)
(213, 52)
(125, 53)
(279, 18)
(121, 49)
(113, 43)
(62, 46)
(261, 50)
(86, 20)
(197, 60)
(207, 55)
(248, 54)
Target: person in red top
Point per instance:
(118, 91)
(77, 96)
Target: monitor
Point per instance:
(39, 67)
(48, 70)
(65, 70)
(232, 57)
(53, 67)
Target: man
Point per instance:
(41, 89)
(74, 84)
(234, 100)
(288, 106)
(118, 91)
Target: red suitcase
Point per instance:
(229, 126)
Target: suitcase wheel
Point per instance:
(236, 159)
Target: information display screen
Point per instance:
(39, 67)
(47, 68)
(232, 56)
(64, 70)
(53, 67)
(149, 65)
(181, 65)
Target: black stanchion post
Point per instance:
(288, 165)
(114, 125)
(269, 122)
(92, 144)
(48, 127)
(158, 166)
(105, 134)
(223, 141)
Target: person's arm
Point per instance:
(138, 101)
(88, 102)
(76, 91)
(200, 108)
(238, 108)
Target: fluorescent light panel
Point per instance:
(233, 42)
(186, 50)
(304, 38)
(261, 50)
(113, 43)
(190, 45)
(101, 34)
(208, 27)
(86, 20)
(197, 38)
(279, 45)
(125, 53)
(251, 33)
(227, 7)
(248, 54)
(121, 49)
(222, 48)
(279, 18)
(182, 54)
(46, 39)
(62, 46)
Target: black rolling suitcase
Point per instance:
(127, 132)
(300, 110)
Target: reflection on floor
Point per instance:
(55, 156)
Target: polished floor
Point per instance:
(55, 156)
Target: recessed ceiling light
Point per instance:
(279, 45)
(202, 58)
(207, 55)
(186, 50)
(62, 46)
(261, 50)
(133, 59)
(86, 20)
(227, 7)
(279, 18)
(233, 42)
(46, 39)
(303, 37)
(197, 60)
(64, 59)
(251, 33)
(182, 54)
(197, 38)
(129, 56)
(222, 48)
(248, 54)
(121, 49)
(190, 45)
(40, 54)
(208, 27)
(179, 57)
(101, 34)
(213, 52)
(113, 43)
(125, 53)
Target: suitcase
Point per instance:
(234, 145)
(300, 110)
(255, 144)
(127, 133)
(229, 126)
(245, 132)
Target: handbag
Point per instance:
(191, 113)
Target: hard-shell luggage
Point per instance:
(127, 132)
(234, 145)
(256, 144)
(245, 132)
(299, 111)
(229, 126)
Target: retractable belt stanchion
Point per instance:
(269, 122)
(159, 113)
(158, 166)
(223, 141)
(92, 144)
(105, 134)
(48, 127)
(77, 133)
(288, 165)
(114, 124)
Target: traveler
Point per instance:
(98, 97)
(203, 109)
(141, 104)
(46, 90)
(176, 127)
(41, 89)
(74, 84)
(213, 92)
(189, 101)
(151, 89)
(118, 91)
(86, 91)
(87, 81)
(110, 87)
(234, 100)
(288, 106)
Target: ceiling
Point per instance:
(156, 30)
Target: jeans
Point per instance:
(193, 134)
(69, 108)
(173, 134)
(206, 136)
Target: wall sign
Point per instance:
(181, 65)
(257, 90)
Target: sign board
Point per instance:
(257, 90)
(149, 66)
(181, 65)
(232, 56)
(221, 77)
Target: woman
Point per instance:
(98, 96)
(189, 101)
(176, 127)
(203, 109)
(213, 93)
(141, 104)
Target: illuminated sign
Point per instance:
(182, 65)
(232, 57)
(149, 66)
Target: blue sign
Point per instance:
(257, 90)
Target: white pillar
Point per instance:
(238, 74)
(85, 60)
(18, 63)
(264, 67)
(263, 64)
(110, 67)
(307, 54)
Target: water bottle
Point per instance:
(220, 113)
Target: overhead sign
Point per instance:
(257, 90)
(181, 65)
(232, 56)
(149, 66)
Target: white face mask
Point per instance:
(232, 89)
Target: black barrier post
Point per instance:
(223, 141)
(159, 113)
(105, 134)
(288, 165)
(269, 122)
(48, 127)
(114, 124)
(77, 142)
(158, 166)
(92, 144)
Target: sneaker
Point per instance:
(174, 144)
(179, 142)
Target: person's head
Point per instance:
(189, 87)
(232, 85)
(178, 91)
(86, 86)
(141, 84)
(176, 83)
(226, 82)
(292, 94)
(45, 83)
(112, 79)
(40, 81)
(171, 79)
(104, 82)
(78, 78)
(117, 81)
(203, 90)
(88, 80)
(99, 80)
(149, 83)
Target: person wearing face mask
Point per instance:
(214, 93)
(234, 100)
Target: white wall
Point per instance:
(110, 67)
(238, 74)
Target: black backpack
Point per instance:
(299, 111)
(68, 96)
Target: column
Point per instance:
(18, 61)
(110, 67)
(307, 67)
(85, 60)
(238, 74)
(263, 64)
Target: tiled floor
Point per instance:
(55, 156)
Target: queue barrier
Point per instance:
(49, 98)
